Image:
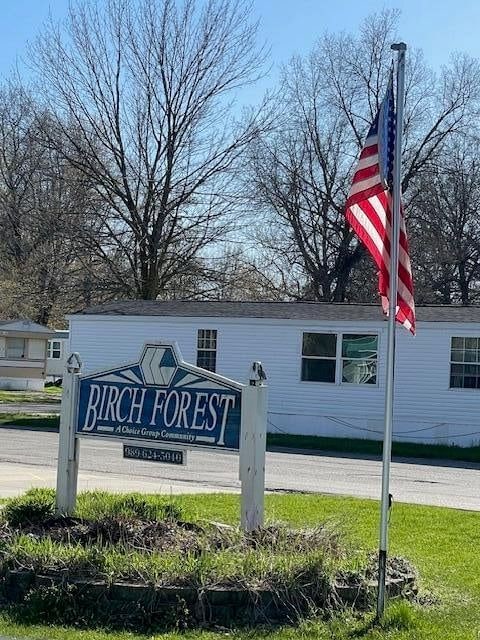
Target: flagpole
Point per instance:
(395, 236)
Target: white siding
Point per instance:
(56, 366)
(422, 394)
(22, 364)
(426, 410)
(3, 343)
(21, 384)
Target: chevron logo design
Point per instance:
(158, 365)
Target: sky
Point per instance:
(439, 27)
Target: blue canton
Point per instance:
(386, 136)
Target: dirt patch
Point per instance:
(133, 534)
(397, 569)
(171, 535)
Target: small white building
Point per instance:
(57, 354)
(325, 362)
(23, 352)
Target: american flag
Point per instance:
(369, 210)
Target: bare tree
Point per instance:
(302, 171)
(41, 200)
(235, 274)
(144, 94)
(298, 181)
(445, 217)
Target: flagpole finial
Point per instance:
(399, 46)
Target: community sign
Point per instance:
(161, 399)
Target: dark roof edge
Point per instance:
(281, 310)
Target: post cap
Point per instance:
(257, 373)
(74, 362)
(399, 46)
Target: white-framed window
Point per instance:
(15, 348)
(54, 350)
(319, 357)
(465, 363)
(348, 358)
(359, 358)
(207, 349)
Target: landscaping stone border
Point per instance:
(221, 606)
(362, 595)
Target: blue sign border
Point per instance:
(160, 399)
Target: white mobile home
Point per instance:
(57, 353)
(325, 362)
(23, 351)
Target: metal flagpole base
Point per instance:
(382, 574)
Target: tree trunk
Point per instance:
(463, 284)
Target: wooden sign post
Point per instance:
(163, 400)
(68, 443)
(252, 449)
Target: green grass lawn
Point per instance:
(443, 543)
(38, 421)
(374, 447)
(53, 390)
(50, 395)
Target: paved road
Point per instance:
(30, 407)
(28, 459)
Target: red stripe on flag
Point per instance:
(369, 151)
(372, 227)
(366, 173)
(365, 195)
